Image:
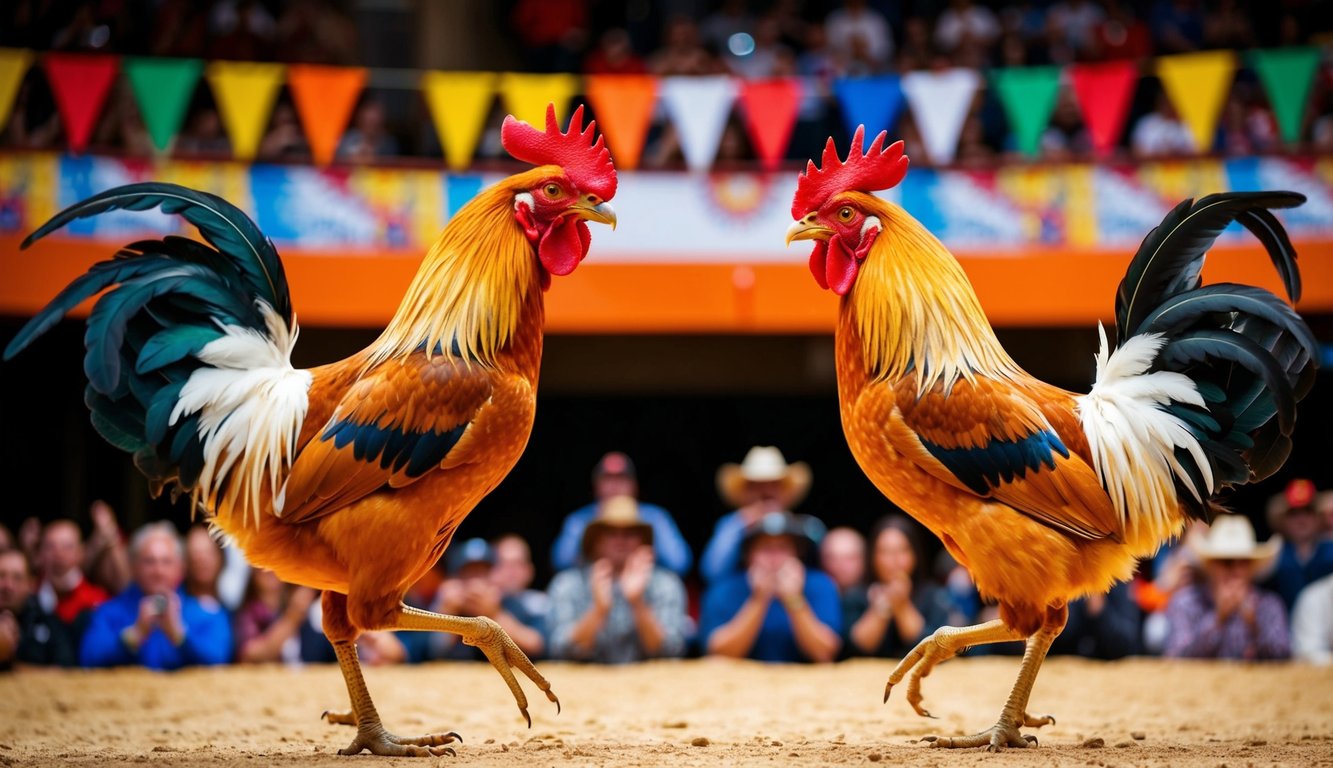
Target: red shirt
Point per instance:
(85, 596)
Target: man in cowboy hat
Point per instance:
(764, 482)
(1306, 552)
(1227, 616)
(619, 607)
(777, 609)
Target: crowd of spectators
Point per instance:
(816, 42)
(772, 585)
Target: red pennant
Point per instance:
(1104, 92)
(324, 98)
(80, 84)
(769, 109)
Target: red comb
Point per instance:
(586, 162)
(875, 170)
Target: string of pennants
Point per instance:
(699, 107)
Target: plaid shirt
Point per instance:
(618, 639)
(1194, 631)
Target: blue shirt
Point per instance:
(207, 635)
(1291, 575)
(776, 640)
(722, 554)
(669, 546)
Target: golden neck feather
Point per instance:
(915, 309)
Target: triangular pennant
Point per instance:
(163, 88)
(940, 104)
(1287, 74)
(1198, 84)
(80, 83)
(526, 96)
(698, 108)
(623, 106)
(244, 92)
(1104, 92)
(14, 63)
(769, 109)
(1028, 95)
(459, 103)
(875, 102)
(324, 98)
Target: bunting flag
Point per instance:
(459, 103)
(1104, 92)
(1198, 84)
(324, 98)
(769, 109)
(940, 103)
(14, 63)
(245, 92)
(163, 89)
(1287, 74)
(526, 96)
(1028, 95)
(699, 108)
(80, 84)
(875, 102)
(623, 106)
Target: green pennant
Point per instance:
(163, 88)
(1028, 95)
(1287, 74)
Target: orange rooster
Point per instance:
(350, 477)
(1045, 495)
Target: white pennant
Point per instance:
(699, 108)
(940, 102)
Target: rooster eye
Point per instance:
(554, 190)
(845, 213)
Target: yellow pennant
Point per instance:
(526, 96)
(245, 92)
(14, 64)
(1198, 84)
(459, 103)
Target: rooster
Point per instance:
(1043, 494)
(350, 477)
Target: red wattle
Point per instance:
(818, 259)
(840, 271)
(563, 246)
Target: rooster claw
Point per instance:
(338, 718)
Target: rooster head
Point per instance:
(569, 189)
(826, 213)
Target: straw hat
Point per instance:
(1231, 537)
(616, 512)
(764, 464)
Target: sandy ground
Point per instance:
(691, 713)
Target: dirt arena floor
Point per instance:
(691, 713)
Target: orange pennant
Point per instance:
(623, 106)
(324, 99)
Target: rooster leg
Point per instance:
(942, 645)
(492, 640)
(1005, 733)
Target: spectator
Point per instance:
(1305, 552)
(900, 606)
(268, 625)
(764, 482)
(615, 475)
(470, 590)
(64, 591)
(1077, 21)
(367, 138)
(682, 53)
(620, 608)
(767, 55)
(842, 555)
(857, 27)
(552, 33)
(1227, 617)
(105, 558)
(1160, 133)
(203, 569)
(777, 609)
(614, 55)
(513, 573)
(967, 31)
(1175, 567)
(728, 30)
(1312, 623)
(154, 622)
(242, 30)
(1121, 35)
(964, 599)
(28, 634)
(1177, 26)
(1066, 137)
(1102, 626)
(284, 139)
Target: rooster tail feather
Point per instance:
(186, 334)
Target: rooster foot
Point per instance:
(377, 741)
(918, 664)
(339, 718)
(994, 739)
(505, 655)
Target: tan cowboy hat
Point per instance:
(615, 512)
(1231, 537)
(764, 464)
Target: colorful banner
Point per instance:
(163, 89)
(769, 109)
(80, 84)
(14, 63)
(1198, 84)
(1028, 95)
(699, 108)
(526, 96)
(623, 107)
(940, 104)
(1287, 74)
(324, 99)
(245, 92)
(875, 102)
(1104, 92)
(459, 103)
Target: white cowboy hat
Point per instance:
(1231, 537)
(764, 464)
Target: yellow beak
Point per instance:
(808, 229)
(600, 212)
